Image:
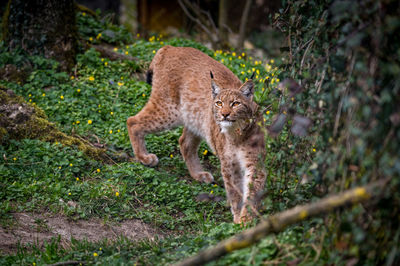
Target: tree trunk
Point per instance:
(223, 23)
(42, 27)
(243, 24)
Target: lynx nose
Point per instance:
(225, 114)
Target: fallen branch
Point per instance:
(280, 221)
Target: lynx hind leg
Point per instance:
(149, 120)
(189, 144)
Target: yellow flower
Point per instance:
(127, 47)
(262, 89)
(126, 52)
(71, 164)
(121, 78)
(59, 167)
(62, 97)
(243, 54)
(115, 49)
(222, 60)
(106, 63)
(272, 61)
(314, 150)
(272, 74)
(110, 131)
(102, 60)
(89, 122)
(280, 191)
(215, 185)
(111, 113)
(98, 170)
(212, 191)
(143, 95)
(44, 94)
(120, 83)
(242, 73)
(91, 78)
(83, 14)
(77, 179)
(267, 112)
(258, 72)
(95, 254)
(69, 193)
(118, 130)
(233, 54)
(117, 194)
(30, 95)
(14, 159)
(138, 35)
(205, 152)
(162, 43)
(154, 51)
(78, 90)
(91, 39)
(98, 36)
(171, 155)
(239, 57)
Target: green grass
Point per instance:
(94, 102)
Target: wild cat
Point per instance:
(190, 88)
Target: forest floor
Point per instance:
(37, 228)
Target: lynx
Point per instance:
(190, 88)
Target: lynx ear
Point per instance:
(214, 87)
(247, 88)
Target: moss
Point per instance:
(20, 120)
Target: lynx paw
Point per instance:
(204, 177)
(149, 160)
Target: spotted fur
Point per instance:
(191, 89)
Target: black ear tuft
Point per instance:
(211, 74)
(252, 76)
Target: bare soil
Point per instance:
(30, 228)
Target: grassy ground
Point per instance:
(94, 103)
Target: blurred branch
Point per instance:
(280, 221)
(199, 19)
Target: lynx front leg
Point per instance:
(253, 185)
(231, 175)
(189, 144)
(149, 120)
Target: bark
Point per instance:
(280, 221)
(243, 24)
(223, 23)
(42, 27)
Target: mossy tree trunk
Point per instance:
(43, 27)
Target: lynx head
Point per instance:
(232, 106)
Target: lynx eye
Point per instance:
(235, 104)
(218, 103)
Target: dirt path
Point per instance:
(29, 228)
